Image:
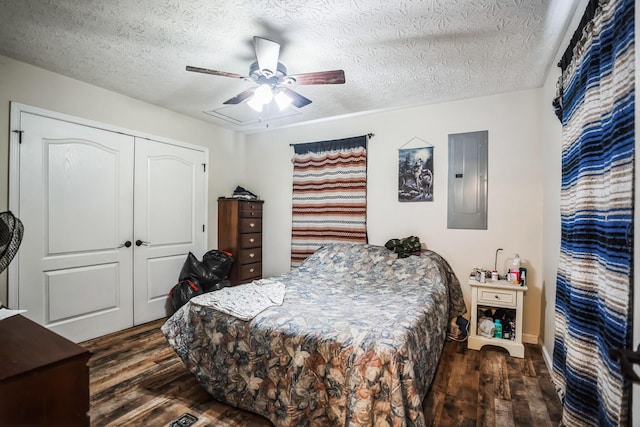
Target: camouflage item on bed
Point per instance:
(356, 341)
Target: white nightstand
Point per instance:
(494, 294)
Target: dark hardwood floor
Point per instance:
(137, 380)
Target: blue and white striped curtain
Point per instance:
(595, 272)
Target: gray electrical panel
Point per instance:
(468, 180)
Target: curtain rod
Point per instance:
(589, 13)
(370, 135)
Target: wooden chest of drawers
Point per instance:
(44, 378)
(240, 232)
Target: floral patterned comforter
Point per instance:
(356, 341)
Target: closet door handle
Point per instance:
(126, 244)
(140, 243)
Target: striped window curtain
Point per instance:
(595, 276)
(329, 195)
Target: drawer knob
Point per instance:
(251, 270)
(497, 297)
(253, 214)
(251, 255)
(251, 240)
(252, 225)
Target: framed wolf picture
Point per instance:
(415, 174)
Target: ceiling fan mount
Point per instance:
(272, 79)
(268, 77)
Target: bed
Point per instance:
(355, 342)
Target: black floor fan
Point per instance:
(11, 231)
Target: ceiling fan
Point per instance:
(272, 79)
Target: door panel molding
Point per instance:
(100, 211)
(60, 283)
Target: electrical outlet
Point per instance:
(185, 420)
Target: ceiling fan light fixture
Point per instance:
(282, 99)
(255, 104)
(262, 96)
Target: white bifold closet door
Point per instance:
(169, 218)
(109, 219)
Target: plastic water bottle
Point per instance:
(498, 331)
(514, 270)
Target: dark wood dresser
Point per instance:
(240, 232)
(44, 378)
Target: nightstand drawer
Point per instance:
(505, 298)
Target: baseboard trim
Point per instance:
(547, 358)
(530, 338)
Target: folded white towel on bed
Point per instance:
(244, 301)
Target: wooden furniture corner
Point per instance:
(44, 378)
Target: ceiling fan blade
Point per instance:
(267, 53)
(333, 77)
(242, 96)
(296, 99)
(214, 72)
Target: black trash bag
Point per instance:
(219, 262)
(183, 292)
(221, 284)
(206, 273)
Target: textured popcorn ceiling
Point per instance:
(395, 54)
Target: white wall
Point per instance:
(551, 142)
(515, 184)
(34, 86)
